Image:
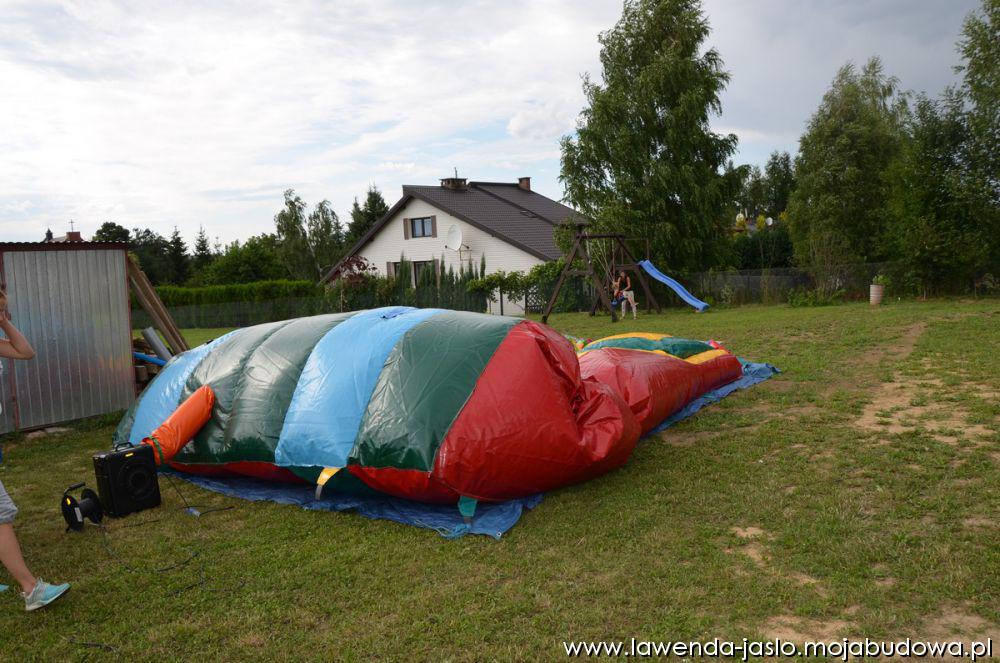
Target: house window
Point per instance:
(416, 267)
(422, 227)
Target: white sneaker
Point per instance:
(43, 594)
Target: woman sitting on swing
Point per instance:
(623, 292)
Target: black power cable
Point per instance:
(93, 645)
(193, 508)
(203, 577)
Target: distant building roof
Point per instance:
(511, 211)
(70, 236)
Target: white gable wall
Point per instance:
(390, 243)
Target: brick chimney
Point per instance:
(524, 183)
(74, 236)
(454, 183)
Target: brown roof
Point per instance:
(520, 217)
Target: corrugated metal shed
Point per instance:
(71, 302)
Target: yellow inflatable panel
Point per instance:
(702, 357)
(650, 335)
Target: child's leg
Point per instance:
(10, 557)
(10, 550)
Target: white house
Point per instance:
(508, 223)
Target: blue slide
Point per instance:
(673, 285)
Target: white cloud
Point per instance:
(188, 113)
(547, 121)
(396, 167)
(18, 207)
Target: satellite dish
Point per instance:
(770, 221)
(454, 241)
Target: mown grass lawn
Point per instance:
(854, 494)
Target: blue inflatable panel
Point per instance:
(336, 384)
(160, 402)
(681, 291)
(491, 519)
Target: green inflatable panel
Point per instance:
(427, 378)
(678, 347)
(254, 376)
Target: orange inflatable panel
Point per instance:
(182, 425)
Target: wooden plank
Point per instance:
(142, 294)
(168, 321)
(158, 322)
(153, 305)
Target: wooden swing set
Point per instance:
(621, 259)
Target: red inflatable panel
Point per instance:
(408, 484)
(719, 371)
(532, 424)
(656, 386)
(241, 468)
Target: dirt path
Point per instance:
(911, 402)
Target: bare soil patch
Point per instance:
(800, 629)
(681, 439)
(898, 407)
(802, 410)
(914, 402)
(780, 385)
(908, 341)
(958, 623)
(749, 532)
(754, 549)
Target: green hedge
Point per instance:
(239, 314)
(267, 301)
(258, 291)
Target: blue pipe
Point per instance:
(149, 358)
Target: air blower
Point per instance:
(126, 475)
(74, 510)
(126, 479)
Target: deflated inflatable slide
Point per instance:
(424, 404)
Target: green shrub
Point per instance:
(540, 282)
(814, 297)
(363, 289)
(257, 291)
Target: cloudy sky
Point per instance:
(180, 114)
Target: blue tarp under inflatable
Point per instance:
(491, 519)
